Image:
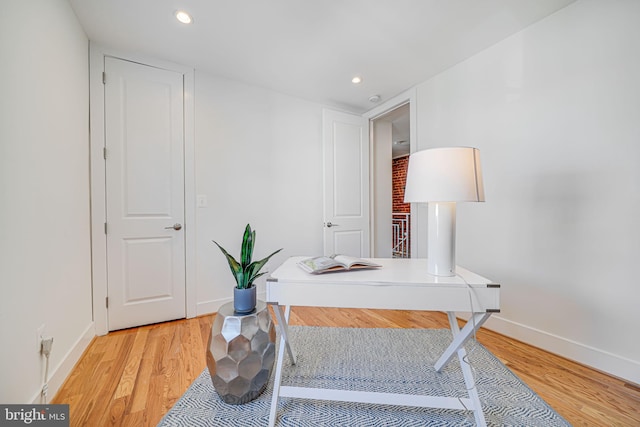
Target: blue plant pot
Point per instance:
(244, 300)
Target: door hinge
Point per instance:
(104, 152)
(106, 301)
(105, 228)
(104, 78)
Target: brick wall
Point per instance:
(399, 171)
(399, 179)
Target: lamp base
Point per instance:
(441, 241)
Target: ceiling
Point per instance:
(312, 49)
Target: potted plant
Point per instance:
(245, 272)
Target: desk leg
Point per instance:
(461, 337)
(283, 325)
(464, 364)
(283, 321)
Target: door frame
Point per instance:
(406, 97)
(97, 54)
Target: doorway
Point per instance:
(393, 135)
(144, 194)
(132, 188)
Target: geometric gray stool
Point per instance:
(240, 353)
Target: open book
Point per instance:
(325, 264)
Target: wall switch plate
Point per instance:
(201, 201)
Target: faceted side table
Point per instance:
(241, 352)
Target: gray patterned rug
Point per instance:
(386, 360)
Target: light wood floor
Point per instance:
(133, 377)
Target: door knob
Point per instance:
(175, 226)
(329, 225)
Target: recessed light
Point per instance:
(184, 17)
(356, 80)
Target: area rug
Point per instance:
(385, 360)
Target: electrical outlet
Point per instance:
(47, 343)
(39, 336)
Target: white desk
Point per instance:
(402, 284)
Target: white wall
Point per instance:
(555, 111)
(258, 161)
(45, 273)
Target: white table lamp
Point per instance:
(441, 177)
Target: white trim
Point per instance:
(98, 207)
(98, 216)
(612, 364)
(372, 190)
(62, 371)
(408, 96)
(190, 194)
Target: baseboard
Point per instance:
(60, 372)
(212, 306)
(609, 363)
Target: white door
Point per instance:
(346, 184)
(144, 134)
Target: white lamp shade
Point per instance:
(451, 174)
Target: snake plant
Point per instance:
(245, 271)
